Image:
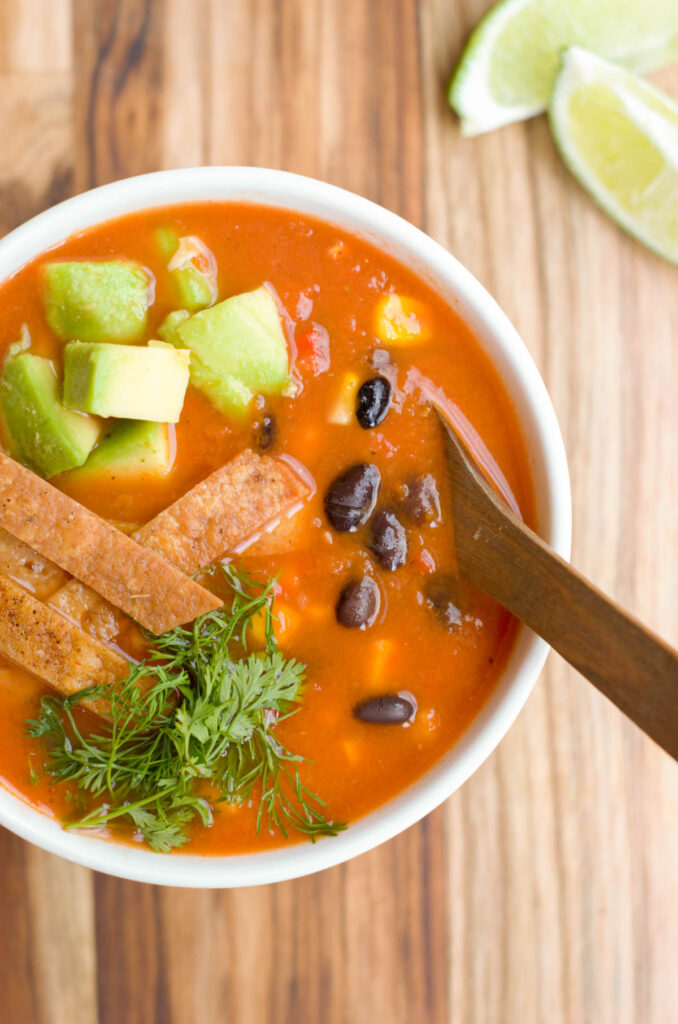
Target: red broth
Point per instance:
(326, 280)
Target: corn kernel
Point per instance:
(256, 636)
(402, 321)
(343, 410)
(288, 621)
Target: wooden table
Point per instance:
(546, 890)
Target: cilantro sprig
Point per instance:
(191, 726)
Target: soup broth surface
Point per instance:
(331, 287)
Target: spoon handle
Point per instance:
(632, 666)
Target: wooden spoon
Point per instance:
(634, 668)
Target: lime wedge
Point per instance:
(619, 137)
(507, 70)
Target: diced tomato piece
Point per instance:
(313, 350)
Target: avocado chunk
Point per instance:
(42, 434)
(192, 268)
(127, 382)
(239, 350)
(168, 329)
(133, 448)
(96, 301)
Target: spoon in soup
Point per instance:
(635, 669)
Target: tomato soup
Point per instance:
(399, 654)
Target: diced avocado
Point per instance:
(43, 434)
(193, 288)
(133, 448)
(154, 343)
(167, 241)
(21, 345)
(239, 350)
(96, 301)
(168, 329)
(192, 268)
(126, 381)
(227, 393)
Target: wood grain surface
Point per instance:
(546, 889)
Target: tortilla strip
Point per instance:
(96, 616)
(289, 535)
(88, 610)
(45, 643)
(216, 515)
(139, 581)
(28, 567)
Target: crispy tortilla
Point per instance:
(217, 515)
(131, 577)
(88, 610)
(29, 567)
(234, 503)
(41, 640)
(277, 490)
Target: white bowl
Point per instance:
(547, 459)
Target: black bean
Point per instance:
(421, 504)
(350, 500)
(358, 604)
(391, 709)
(388, 540)
(442, 594)
(374, 398)
(265, 433)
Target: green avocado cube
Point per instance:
(96, 301)
(194, 289)
(133, 448)
(169, 328)
(127, 382)
(167, 240)
(192, 268)
(239, 350)
(45, 436)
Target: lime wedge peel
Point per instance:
(507, 70)
(619, 136)
(469, 94)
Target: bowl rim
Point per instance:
(418, 251)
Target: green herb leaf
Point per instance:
(199, 711)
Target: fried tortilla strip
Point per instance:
(88, 610)
(96, 616)
(133, 578)
(39, 639)
(289, 535)
(28, 567)
(215, 516)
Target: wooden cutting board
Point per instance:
(546, 889)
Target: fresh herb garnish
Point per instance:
(192, 725)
